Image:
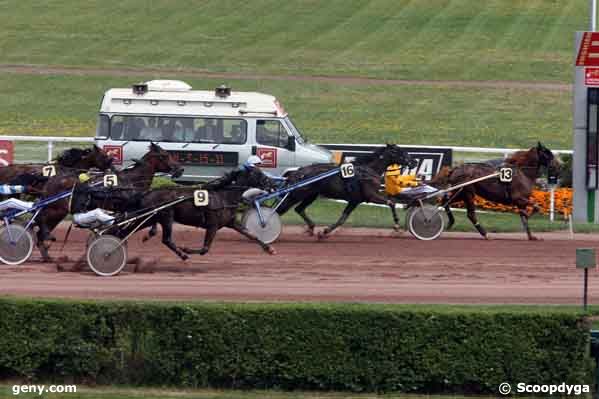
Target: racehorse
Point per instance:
(363, 187)
(526, 167)
(74, 159)
(138, 177)
(225, 197)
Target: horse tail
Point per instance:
(441, 179)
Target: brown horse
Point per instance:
(71, 160)
(225, 197)
(364, 187)
(138, 177)
(526, 166)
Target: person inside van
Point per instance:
(209, 131)
(170, 130)
(134, 128)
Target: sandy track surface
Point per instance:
(355, 265)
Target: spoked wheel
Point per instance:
(425, 222)
(16, 244)
(106, 256)
(270, 232)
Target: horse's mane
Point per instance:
(521, 158)
(71, 156)
(366, 159)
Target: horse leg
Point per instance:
(346, 212)
(243, 231)
(152, 233)
(208, 237)
(450, 218)
(45, 227)
(471, 211)
(167, 238)
(301, 210)
(377, 198)
(524, 215)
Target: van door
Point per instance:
(206, 147)
(274, 145)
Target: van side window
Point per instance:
(220, 131)
(271, 133)
(178, 129)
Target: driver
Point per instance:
(93, 217)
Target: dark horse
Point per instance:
(71, 160)
(225, 198)
(138, 177)
(365, 186)
(526, 167)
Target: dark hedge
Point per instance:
(291, 346)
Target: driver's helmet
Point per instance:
(252, 161)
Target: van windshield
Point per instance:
(178, 129)
(294, 130)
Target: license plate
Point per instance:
(206, 158)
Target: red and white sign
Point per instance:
(116, 152)
(588, 53)
(591, 76)
(6, 152)
(268, 157)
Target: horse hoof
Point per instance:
(397, 228)
(322, 235)
(186, 250)
(184, 257)
(270, 250)
(203, 251)
(534, 238)
(309, 231)
(486, 236)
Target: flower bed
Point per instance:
(563, 202)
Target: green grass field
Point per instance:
(468, 40)
(425, 39)
(325, 112)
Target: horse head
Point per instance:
(72, 157)
(547, 159)
(162, 161)
(98, 158)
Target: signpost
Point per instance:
(586, 258)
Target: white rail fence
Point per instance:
(474, 150)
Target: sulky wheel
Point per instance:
(106, 256)
(270, 232)
(425, 222)
(16, 244)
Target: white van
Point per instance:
(209, 132)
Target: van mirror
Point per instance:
(291, 143)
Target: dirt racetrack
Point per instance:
(354, 265)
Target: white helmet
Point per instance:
(253, 160)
